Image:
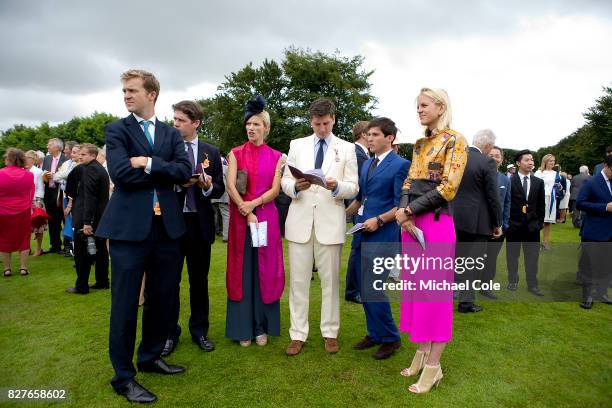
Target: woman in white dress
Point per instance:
(546, 173)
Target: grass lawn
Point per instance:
(515, 353)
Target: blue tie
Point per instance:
(320, 154)
(145, 126)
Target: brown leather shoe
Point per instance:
(295, 347)
(365, 343)
(331, 345)
(386, 350)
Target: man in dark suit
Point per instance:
(494, 245)
(360, 132)
(526, 221)
(577, 182)
(199, 216)
(477, 212)
(599, 167)
(143, 222)
(380, 185)
(52, 200)
(595, 200)
(88, 207)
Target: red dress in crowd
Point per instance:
(16, 195)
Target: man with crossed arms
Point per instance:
(316, 223)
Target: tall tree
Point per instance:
(289, 88)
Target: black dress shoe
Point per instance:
(365, 343)
(513, 287)
(169, 347)
(98, 286)
(135, 392)
(535, 291)
(76, 291)
(354, 299)
(468, 307)
(605, 299)
(204, 343)
(489, 294)
(161, 367)
(386, 350)
(587, 303)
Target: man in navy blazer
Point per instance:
(595, 200)
(360, 133)
(494, 245)
(199, 216)
(380, 184)
(143, 222)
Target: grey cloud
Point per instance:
(76, 47)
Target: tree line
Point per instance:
(289, 87)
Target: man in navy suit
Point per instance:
(380, 184)
(360, 133)
(195, 196)
(143, 222)
(494, 245)
(595, 200)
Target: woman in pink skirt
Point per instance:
(16, 195)
(438, 162)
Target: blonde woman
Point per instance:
(551, 178)
(438, 163)
(255, 277)
(39, 194)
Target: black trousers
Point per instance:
(469, 246)
(57, 216)
(530, 242)
(159, 256)
(197, 253)
(596, 267)
(83, 262)
(494, 247)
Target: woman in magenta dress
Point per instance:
(255, 275)
(437, 167)
(16, 195)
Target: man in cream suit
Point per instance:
(316, 223)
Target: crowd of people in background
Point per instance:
(155, 197)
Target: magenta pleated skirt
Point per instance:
(427, 315)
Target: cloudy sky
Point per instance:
(526, 69)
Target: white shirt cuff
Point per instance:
(207, 192)
(148, 168)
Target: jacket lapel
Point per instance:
(307, 157)
(518, 186)
(330, 155)
(604, 186)
(160, 135)
(382, 165)
(137, 133)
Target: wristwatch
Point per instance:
(380, 221)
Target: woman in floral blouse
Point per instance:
(438, 163)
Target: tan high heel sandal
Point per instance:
(418, 361)
(431, 375)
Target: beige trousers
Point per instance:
(327, 260)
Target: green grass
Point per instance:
(513, 354)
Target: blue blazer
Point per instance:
(128, 215)
(593, 198)
(503, 183)
(379, 194)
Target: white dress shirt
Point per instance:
(151, 130)
(521, 177)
